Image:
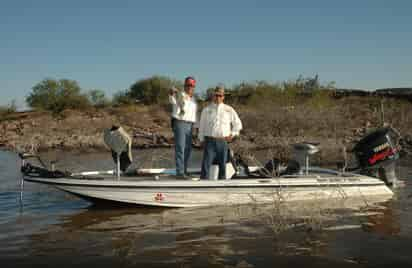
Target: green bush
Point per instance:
(321, 98)
(57, 95)
(153, 90)
(286, 94)
(123, 98)
(264, 93)
(97, 98)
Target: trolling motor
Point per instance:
(377, 153)
(120, 145)
(31, 170)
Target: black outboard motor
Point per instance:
(377, 154)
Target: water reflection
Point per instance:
(383, 223)
(56, 229)
(214, 236)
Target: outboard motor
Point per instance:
(377, 153)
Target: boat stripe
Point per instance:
(208, 186)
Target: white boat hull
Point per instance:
(168, 192)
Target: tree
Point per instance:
(152, 90)
(97, 98)
(122, 98)
(56, 96)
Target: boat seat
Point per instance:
(307, 148)
(302, 152)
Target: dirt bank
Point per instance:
(265, 127)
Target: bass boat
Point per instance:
(372, 176)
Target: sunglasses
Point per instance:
(219, 95)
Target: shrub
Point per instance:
(153, 90)
(123, 98)
(56, 96)
(321, 98)
(97, 98)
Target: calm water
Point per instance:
(55, 229)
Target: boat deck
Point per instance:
(167, 180)
(156, 188)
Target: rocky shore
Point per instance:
(75, 130)
(149, 127)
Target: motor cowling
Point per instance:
(376, 154)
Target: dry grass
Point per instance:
(273, 124)
(333, 126)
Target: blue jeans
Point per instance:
(215, 151)
(182, 131)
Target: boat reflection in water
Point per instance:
(278, 233)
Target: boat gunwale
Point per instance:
(363, 181)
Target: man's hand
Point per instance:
(229, 138)
(173, 91)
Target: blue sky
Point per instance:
(108, 45)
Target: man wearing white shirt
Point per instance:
(219, 123)
(184, 115)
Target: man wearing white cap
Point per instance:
(219, 123)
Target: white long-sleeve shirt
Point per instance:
(189, 107)
(219, 121)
